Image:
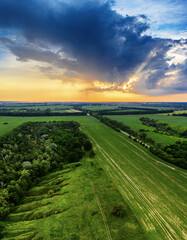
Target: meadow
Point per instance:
(153, 189)
(81, 209)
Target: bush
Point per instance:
(118, 211)
(50, 193)
(91, 154)
(87, 145)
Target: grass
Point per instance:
(73, 212)
(178, 123)
(102, 107)
(153, 189)
(112, 107)
(153, 107)
(177, 112)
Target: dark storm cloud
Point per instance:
(26, 52)
(102, 43)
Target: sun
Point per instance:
(128, 86)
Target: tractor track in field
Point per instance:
(151, 163)
(172, 202)
(152, 213)
(173, 168)
(121, 153)
(148, 179)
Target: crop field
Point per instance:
(177, 112)
(178, 123)
(153, 189)
(153, 107)
(112, 107)
(97, 108)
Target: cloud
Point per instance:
(88, 38)
(168, 18)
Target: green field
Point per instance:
(153, 189)
(112, 107)
(178, 123)
(153, 107)
(58, 108)
(177, 112)
(102, 107)
(81, 209)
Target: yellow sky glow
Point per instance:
(38, 90)
(24, 82)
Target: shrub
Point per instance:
(118, 211)
(50, 193)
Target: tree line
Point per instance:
(175, 153)
(180, 114)
(40, 114)
(114, 112)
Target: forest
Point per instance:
(39, 113)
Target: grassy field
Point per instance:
(59, 108)
(154, 190)
(112, 107)
(97, 108)
(79, 209)
(153, 107)
(177, 112)
(129, 110)
(178, 123)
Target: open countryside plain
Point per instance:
(177, 123)
(154, 190)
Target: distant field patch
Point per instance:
(97, 108)
(72, 110)
(179, 123)
(177, 112)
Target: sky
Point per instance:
(93, 51)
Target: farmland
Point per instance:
(102, 107)
(140, 177)
(178, 123)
